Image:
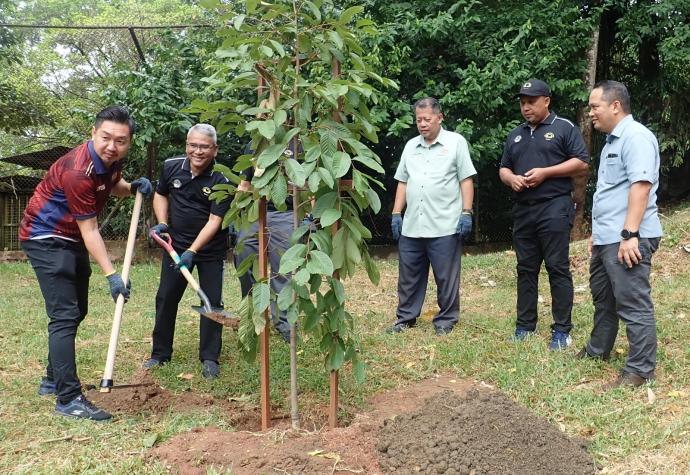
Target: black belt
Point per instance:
(536, 201)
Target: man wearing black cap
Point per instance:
(539, 158)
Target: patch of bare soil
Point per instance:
(406, 429)
(479, 432)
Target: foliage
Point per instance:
(324, 113)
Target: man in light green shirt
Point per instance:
(435, 184)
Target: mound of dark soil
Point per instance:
(477, 432)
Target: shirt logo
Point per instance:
(549, 135)
(177, 183)
(518, 138)
(100, 188)
(206, 190)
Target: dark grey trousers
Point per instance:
(415, 255)
(625, 293)
(279, 226)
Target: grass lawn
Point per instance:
(631, 431)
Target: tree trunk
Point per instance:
(580, 182)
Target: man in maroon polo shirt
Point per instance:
(59, 231)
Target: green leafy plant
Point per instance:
(315, 101)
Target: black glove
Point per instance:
(186, 259)
(160, 228)
(117, 286)
(143, 186)
(396, 225)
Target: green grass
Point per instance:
(626, 431)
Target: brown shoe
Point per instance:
(625, 379)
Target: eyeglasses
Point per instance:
(202, 147)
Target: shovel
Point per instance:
(206, 310)
(107, 381)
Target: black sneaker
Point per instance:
(400, 327)
(151, 363)
(210, 369)
(47, 387)
(81, 407)
(442, 331)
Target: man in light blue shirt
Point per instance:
(435, 184)
(625, 233)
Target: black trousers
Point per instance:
(62, 268)
(415, 254)
(170, 290)
(541, 233)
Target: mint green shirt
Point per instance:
(433, 174)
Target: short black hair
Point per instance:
(117, 114)
(614, 91)
(428, 102)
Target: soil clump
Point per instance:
(478, 432)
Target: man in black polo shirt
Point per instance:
(194, 222)
(539, 158)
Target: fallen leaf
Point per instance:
(186, 376)
(676, 394)
(316, 452)
(409, 364)
(150, 440)
(651, 397)
(620, 351)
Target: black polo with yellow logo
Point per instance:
(552, 142)
(189, 207)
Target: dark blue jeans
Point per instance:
(624, 293)
(62, 268)
(415, 254)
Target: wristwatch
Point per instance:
(467, 211)
(625, 234)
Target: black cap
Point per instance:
(534, 87)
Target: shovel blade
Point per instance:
(218, 315)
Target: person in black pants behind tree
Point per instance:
(539, 158)
(59, 231)
(183, 210)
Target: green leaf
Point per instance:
(302, 277)
(279, 190)
(324, 202)
(328, 138)
(292, 315)
(319, 263)
(326, 177)
(246, 264)
(322, 239)
(338, 253)
(279, 117)
(266, 50)
(261, 297)
(336, 39)
(372, 270)
(314, 10)
(369, 162)
(336, 355)
(237, 22)
(353, 253)
(277, 47)
(341, 164)
(263, 180)
(292, 258)
(359, 369)
(315, 282)
(374, 200)
(151, 439)
(295, 172)
(270, 155)
(267, 128)
(339, 290)
(286, 297)
(349, 13)
(314, 180)
(330, 216)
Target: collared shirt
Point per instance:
(433, 173)
(554, 141)
(631, 154)
(189, 208)
(76, 187)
